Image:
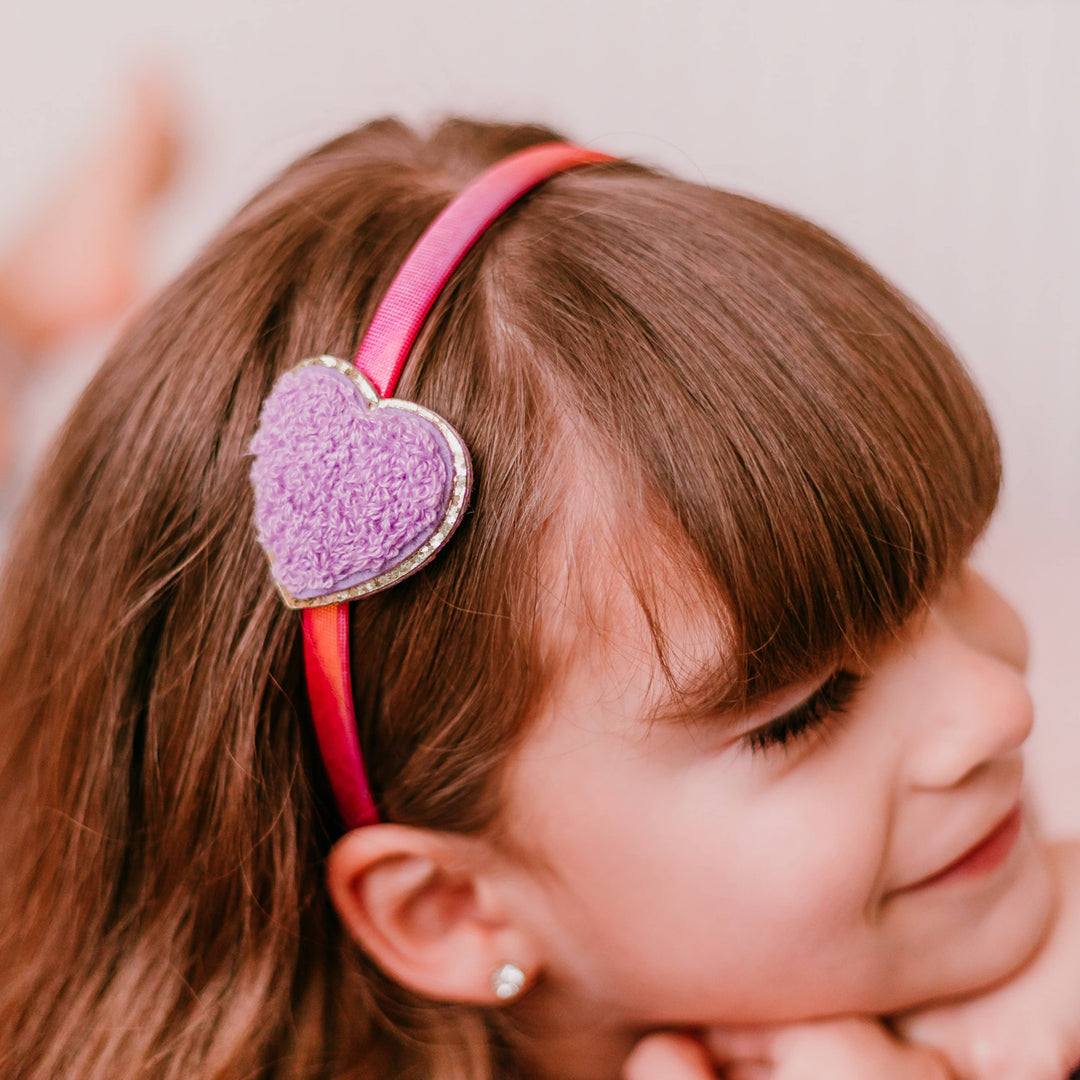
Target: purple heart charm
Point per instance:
(353, 492)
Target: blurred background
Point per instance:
(937, 137)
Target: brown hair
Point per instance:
(163, 814)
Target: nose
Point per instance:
(976, 707)
(985, 618)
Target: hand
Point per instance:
(79, 258)
(1028, 1027)
(849, 1049)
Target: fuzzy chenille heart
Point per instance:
(352, 492)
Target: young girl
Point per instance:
(699, 725)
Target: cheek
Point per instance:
(701, 896)
(814, 851)
(799, 878)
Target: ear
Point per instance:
(431, 909)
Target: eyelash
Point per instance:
(829, 701)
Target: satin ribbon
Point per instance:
(381, 357)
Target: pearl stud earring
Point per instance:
(507, 981)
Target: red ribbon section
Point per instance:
(381, 358)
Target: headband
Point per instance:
(354, 489)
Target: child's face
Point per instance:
(695, 879)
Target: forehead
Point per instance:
(629, 624)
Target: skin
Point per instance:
(1029, 1025)
(681, 904)
(849, 1049)
(772, 887)
(78, 261)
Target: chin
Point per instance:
(992, 946)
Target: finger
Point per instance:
(667, 1056)
(954, 1040)
(748, 1070)
(851, 1049)
(751, 1044)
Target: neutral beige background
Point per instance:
(939, 137)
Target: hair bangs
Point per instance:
(773, 405)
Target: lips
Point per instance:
(984, 855)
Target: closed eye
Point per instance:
(826, 704)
